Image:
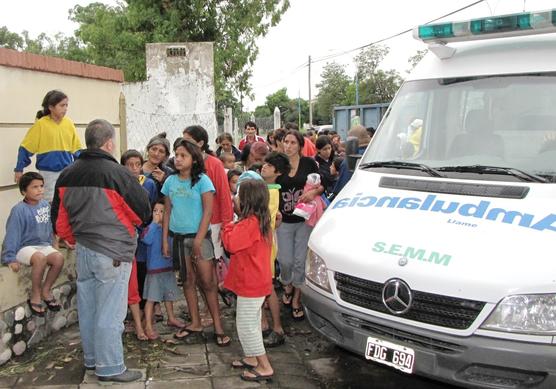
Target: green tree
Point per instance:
(278, 99)
(116, 35)
(333, 90)
(262, 111)
(10, 40)
(368, 60)
(375, 85)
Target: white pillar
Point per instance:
(277, 121)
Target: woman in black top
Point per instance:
(325, 157)
(293, 233)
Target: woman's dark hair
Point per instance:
(27, 178)
(280, 161)
(299, 137)
(233, 173)
(270, 138)
(52, 98)
(292, 126)
(199, 134)
(279, 134)
(198, 166)
(253, 201)
(226, 136)
(322, 141)
(131, 154)
(245, 152)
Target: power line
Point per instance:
(394, 35)
(305, 64)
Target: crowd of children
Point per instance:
(251, 207)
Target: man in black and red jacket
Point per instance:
(97, 205)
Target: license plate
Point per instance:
(396, 356)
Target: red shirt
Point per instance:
(309, 149)
(249, 274)
(244, 141)
(222, 211)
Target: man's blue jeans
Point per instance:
(102, 306)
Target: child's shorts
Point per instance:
(25, 253)
(161, 287)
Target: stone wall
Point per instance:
(93, 92)
(20, 330)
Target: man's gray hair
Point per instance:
(98, 132)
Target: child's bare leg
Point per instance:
(190, 292)
(265, 325)
(274, 305)
(136, 313)
(38, 266)
(172, 320)
(149, 317)
(207, 282)
(56, 263)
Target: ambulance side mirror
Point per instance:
(352, 149)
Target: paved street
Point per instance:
(306, 361)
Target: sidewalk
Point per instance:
(167, 363)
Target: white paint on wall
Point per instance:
(179, 92)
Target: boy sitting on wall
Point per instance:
(28, 241)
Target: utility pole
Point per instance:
(356, 88)
(310, 102)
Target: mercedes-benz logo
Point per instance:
(397, 296)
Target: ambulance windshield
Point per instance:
(496, 121)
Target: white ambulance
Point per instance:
(438, 257)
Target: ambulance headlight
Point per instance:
(533, 314)
(316, 271)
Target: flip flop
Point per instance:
(220, 340)
(257, 377)
(52, 304)
(33, 306)
(289, 298)
(189, 333)
(241, 364)
(297, 311)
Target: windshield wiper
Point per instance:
(401, 165)
(483, 169)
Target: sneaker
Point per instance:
(126, 376)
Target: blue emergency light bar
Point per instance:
(526, 23)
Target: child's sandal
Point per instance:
(33, 307)
(52, 304)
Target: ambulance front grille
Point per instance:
(439, 310)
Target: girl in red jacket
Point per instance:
(249, 242)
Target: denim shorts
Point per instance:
(161, 287)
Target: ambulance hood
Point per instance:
(479, 248)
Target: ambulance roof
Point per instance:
(508, 55)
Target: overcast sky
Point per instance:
(310, 27)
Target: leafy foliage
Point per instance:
(115, 36)
(333, 90)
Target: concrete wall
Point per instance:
(93, 92)
(179, 92)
